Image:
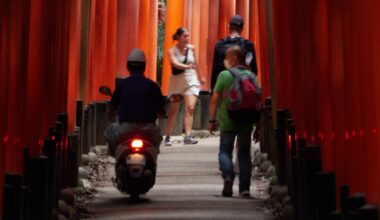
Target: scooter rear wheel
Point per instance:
(135, 197)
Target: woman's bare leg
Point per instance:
(190, 101)
(173, 110)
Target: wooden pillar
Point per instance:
(147, 33)
(104, 47)
(203, 51)
(90, 55)
(187, 14)
(226, 11)
(17, 86)
(353, 96)
(369, 86)
(337, 85)
(4, 74)
(100, 48)
(74, 60)
(111, 44)
(324, 75)
(35, 69)
(255, 36)
(174, 18)
(375, 118)
(195, 21)
(213, 35)
(243, 9)
(267, 7)
(127, 29)
(153, 26)
(84, 51)
(143, 28)
(47, 68)
(59, 14)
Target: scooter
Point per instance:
(135, 162)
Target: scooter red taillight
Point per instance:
(137, 144)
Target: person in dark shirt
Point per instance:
(236, 26)
(138, 101)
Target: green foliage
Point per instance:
(160, 40)
(160, 49)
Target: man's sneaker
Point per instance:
(167, 141)
(189, 140)
(245, 193)
(227, 188)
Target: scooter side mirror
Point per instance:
(105, 90)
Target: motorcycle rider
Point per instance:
(138, 101)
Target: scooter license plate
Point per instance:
(137, 159)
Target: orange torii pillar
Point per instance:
(90, 55)
(16, 93)
(3, 93)
(202, 50)
(255, 37)
(243, 9)
(111, 43)
(4, 62)
(174, 18)
(213, 35)
(186, 18)
(196, 21)
(102, 46)
(147, 32)
(127, 30)
(373, 164)
(35, 71)
(227, 9)
(99, 73)
(73, 58)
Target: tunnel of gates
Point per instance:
(54, 53)
(316, 58)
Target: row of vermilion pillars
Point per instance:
(52, 55)
(136, 27)
(116, 27)
(55, 52)
(33, 77)
(101, 48)
(207, 22)
(328, 75)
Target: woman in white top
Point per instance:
(183, 86)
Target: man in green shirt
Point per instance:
(230, 129)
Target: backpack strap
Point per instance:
(176, 51)
(235, 72)
(237, 82)
(187, 51)
(242, 44)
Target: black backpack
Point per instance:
(220, 51)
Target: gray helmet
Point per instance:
(136, 55)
